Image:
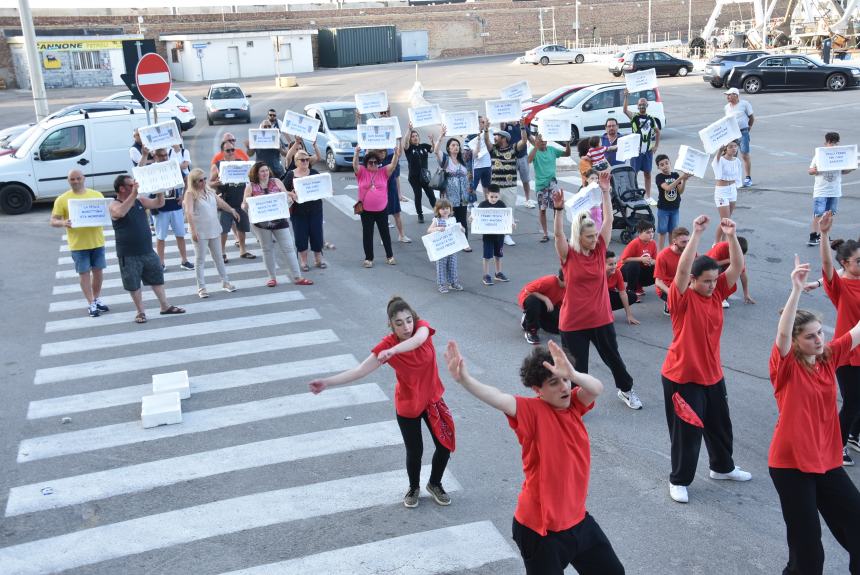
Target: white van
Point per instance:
(97, 144)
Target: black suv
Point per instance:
(637, 60)
(718, 68)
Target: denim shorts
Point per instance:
(85, 260)
(642, 162)
(166, 221)
(667, 220)
(493, 246)
(744, 144)
(821, 205)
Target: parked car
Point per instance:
(553, 54)
(97, 144)
(791, 71)
(10, 135)
(531, 108)
(227, 101)
(337, 135)
(661, 62)
(719, 66)
(181, 106)
(589, 107)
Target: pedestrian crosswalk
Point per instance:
(249, 355)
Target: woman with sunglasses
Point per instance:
(373, 196)
(306, 217)
(233, 195)
(271, 156)
(272, 232)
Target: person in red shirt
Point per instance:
(586, 316)
(637, 259)
(241, 155)
(418, 395)
(620, 295)
(694, 389)
(551, 525)
(540, 301)
(804, 458)
(667, 264)
(844, 292)
(720, 252)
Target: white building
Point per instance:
(233, 55)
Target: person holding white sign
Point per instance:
(826, 190)
(232, 194)
(670, 186)
(306, 217)
(743, 113)
(481, 162)
(447, 276)
(586, 315)
(273, 232)
(504, 166)
(544, 159)
(373, 201)
(649, 140)
(457, 183)
(493, 243)
(728, 172)
(417, 155)
(86, 245)
(271, 156)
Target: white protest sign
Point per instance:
(829, 158)
(161, 135)
(585, 199)
(639, 81)
(692, 161)
(264, 139)
(298, 125)
(234, 172)
(310, 188)
(425, 116)
(519, 91)
(462, 123)
(370, 102)
(268, 207)
(160, 177)
(444, 243)
(499, 111)
(90, 212)
(376, 137)
(555, 129)
(628, 147)
(493, 221)
(390, 121)
(720, 133)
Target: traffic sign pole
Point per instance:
(153, 80)
(146, 102)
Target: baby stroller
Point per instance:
(628, 202)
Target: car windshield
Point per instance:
(547, 98)
(343, 118)
(575, 98)
(25, 141)
(14, 142)
(228, 93)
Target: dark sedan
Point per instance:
(661, 62)
(791, 72)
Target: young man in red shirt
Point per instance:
(540, 301)
(667, 264)
(694, 389)
(637, 259)
(720, 253)
(551, 526)
(620, 296)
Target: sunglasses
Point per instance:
(230, 140)
(302, 159)
(229, 150)
(372, 162)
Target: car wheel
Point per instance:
(574, 134)
(579, 59)
(616, 74)
(248, 119)
(626, 236)
(209, 119)
(836, 82)
(534, 63)
(330, 161)
(752, 85)
(15, 199)
(716, 83)
(682, 71)
(544, 61)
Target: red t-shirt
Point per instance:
(845, 295)
(719, 251)
(666, 266)
(547, 286)
(556, 463)
(616, 281)
(418, 382)
(637, 248)
(697, 324)
(586, 297)
(807, 435)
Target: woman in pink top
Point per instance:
(373, 195)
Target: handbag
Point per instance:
(358, 207)
(439, 181)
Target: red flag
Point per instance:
(685, 412)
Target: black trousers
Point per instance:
(848, 377)
(577, 344)
(636, 275)
(380, 219)
(710, 402)
(417, 186)
(410, 429)
(615, 299)
(537, 317)
(584, 546)
(461, 214)
(802, 496)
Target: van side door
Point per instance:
(61, 150)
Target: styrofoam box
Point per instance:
(161, 409)
(173, 381)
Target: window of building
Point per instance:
(89, 60)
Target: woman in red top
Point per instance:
(586, 316)
(418, 394)
(804, 459)
(844, 291)
(551, 526)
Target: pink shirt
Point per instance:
(373, 188)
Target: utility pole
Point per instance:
(37, 82)
(649, 23)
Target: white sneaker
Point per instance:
(509, 241)
(736, 474)
(630, 398)
(531, 204)
(726, 304)
(651, 201)
(678, 493)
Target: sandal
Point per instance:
(172, 310)
(248, 256)
(303, 282)
(544, 239)
(140, 318)
(306, 268)
(271, 283)
(321, 265)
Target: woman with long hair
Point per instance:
(457, 180)
(729, 174)
(417, 155)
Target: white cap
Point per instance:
(734, 91)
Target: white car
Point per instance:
(553, 54)
(227, 101)
(181, 106)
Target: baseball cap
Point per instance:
(504, 135)
(734, 91)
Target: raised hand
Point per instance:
(604, 181)
(701, 223)
(558, 198)
(728, 227)
(454, 361)
(799, 274)
(826, 222)
(560, 366)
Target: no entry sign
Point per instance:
(153, 78)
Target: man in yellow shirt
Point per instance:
(87, 245)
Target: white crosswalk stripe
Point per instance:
(169, 244)
(170, 247)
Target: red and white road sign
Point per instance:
(153, 78)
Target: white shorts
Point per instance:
(725, 194)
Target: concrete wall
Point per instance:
(66, 76)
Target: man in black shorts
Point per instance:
(233, 194)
